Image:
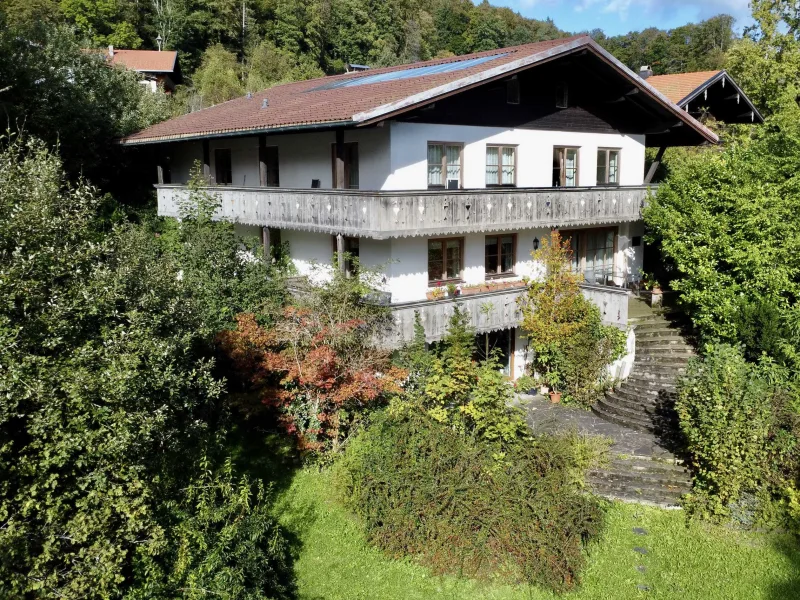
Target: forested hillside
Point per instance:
(228, 47)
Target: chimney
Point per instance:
(111, 51)
(645, 72)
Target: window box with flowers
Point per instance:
(492, 286)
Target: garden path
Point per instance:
(544, 417)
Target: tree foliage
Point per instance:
(572, 348)
(72, 100)
(317, 363)
(449, 386)
(108, 393)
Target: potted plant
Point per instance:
(526, 385)
(554, 381)
(436, 293)
(452, 290)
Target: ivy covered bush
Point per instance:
(423, 489)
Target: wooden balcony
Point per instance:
(385, 214)
(493, 311)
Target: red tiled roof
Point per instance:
(677, 87)
(315, 103)
(148, 61)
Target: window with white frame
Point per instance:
(444, 165)
(501, 165)
(565, 167)
(607, 166)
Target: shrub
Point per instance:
(451, 388)
(725, 414)
(571, 346)
(316, 361)
(423, 489)
(225, 544)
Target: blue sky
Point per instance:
(622, 16)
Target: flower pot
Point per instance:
(430, 296)
(555, 397)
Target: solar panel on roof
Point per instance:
(408, 73)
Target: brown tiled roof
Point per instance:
(679, 86)
(147, 61)
(314, 103)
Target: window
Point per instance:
(512, 90)
(444, 166)
(273, 175)
(565, 167)
(562, 95)
(593, 254)
(499, 255)
(501, 165)
(350, 165)
(222, 162)
(607, 166)
(444, 259)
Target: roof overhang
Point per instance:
(414, 101)
(578, 45)
(726, 80)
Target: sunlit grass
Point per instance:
(684, 562)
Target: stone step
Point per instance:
(661, 359)
(636, 415)
(667, 376)
(640, 495)
(646, 406)
(637, 387)
(661, 341)
(664, 349)
(678, 482)
(630, 422)
(660, 368)
(632, 395)
(649, 465)
(658, 334)
(656, 324)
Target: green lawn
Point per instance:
(685, 563)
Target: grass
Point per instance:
(333, 560)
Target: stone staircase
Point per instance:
(645, 401)
(641, 479)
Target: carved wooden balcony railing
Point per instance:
(385, 214)
(493, 311)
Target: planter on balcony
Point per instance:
(491, 286)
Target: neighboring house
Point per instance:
(447, 171)
(704, 93)
(156, 67)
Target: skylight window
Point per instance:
(408, 73)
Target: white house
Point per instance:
(449, 171)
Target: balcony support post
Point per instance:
(206, 162)
(654, 167)
(339, 182)
(265, 241)
(340, 252)
(262, 160)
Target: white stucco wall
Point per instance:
(409, 154)
(301, 158)
(394, 157)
